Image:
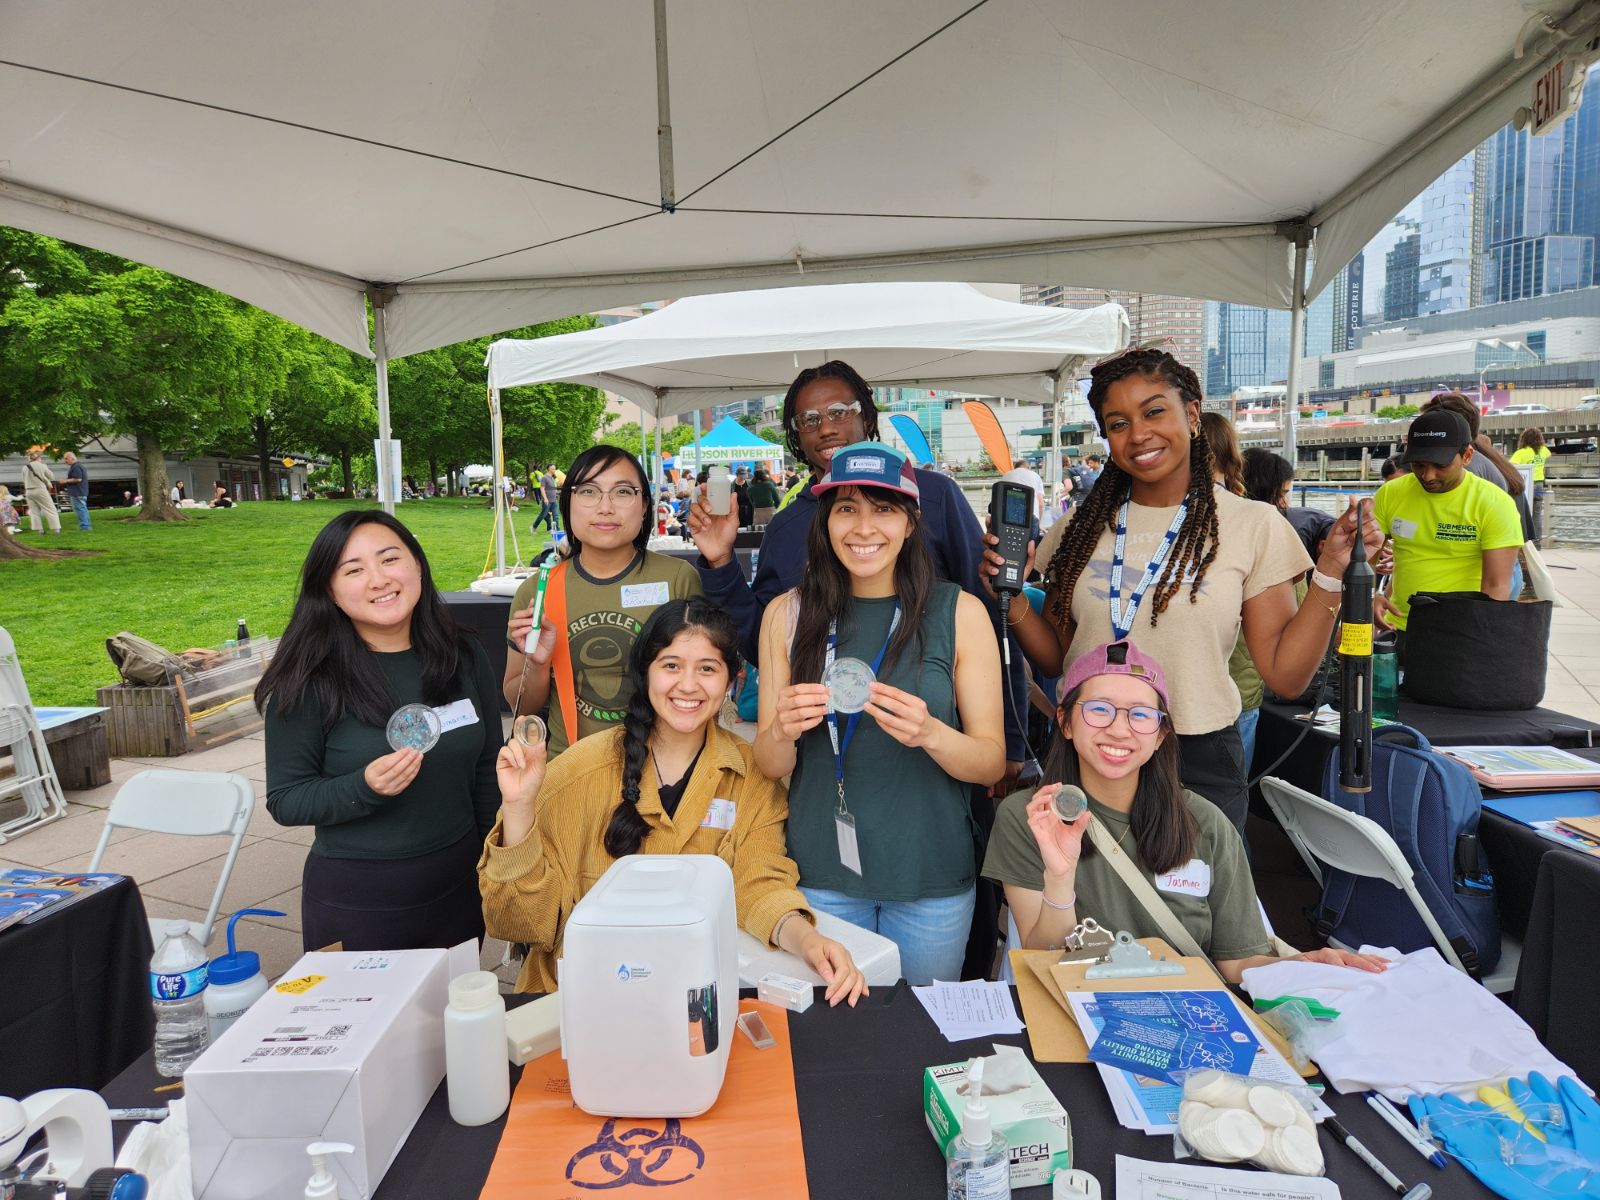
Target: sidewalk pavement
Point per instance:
(177, 875)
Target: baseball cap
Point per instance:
(1436, 437)
(870, 464)
(1114, 658)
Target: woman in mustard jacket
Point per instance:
(670, 781)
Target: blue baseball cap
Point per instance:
(870, 464)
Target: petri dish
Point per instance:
(530, 730)
(847, 681)
(1070, 802)
(414, 727)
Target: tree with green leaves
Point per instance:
(1397, 412)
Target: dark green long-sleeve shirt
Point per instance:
(316, 778)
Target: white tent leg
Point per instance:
(697, 443)
(497, 456)
(380, 348)
(660, 471)
(1297, 346)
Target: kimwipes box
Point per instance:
(1025, 1111)
(346, 1047)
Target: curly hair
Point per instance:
(1196, 546)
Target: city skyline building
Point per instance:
(1401, 265)
(1246, 347)
(1448, 239)
(1151, 318)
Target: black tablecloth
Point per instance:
(75, 993)
(858, 1081)
(1515, 852)
(1555, 991)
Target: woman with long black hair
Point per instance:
(397, 831)
(669, 781)
(1159, 549)
(879, 823)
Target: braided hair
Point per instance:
(626, 831)
(832, 369)
(1200, 533)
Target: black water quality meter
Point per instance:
(1011, 520)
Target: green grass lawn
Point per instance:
(187, 583)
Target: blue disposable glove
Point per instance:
(1477, 1137)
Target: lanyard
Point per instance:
(1122, 620)
(841, 742)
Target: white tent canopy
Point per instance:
(712, 349)
(478, 165)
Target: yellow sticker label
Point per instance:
(1355, 640)
(298, 987)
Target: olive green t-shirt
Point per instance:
(604, 617)
(1214, 895)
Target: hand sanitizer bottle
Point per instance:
(977, 1166)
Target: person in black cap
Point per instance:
(1452, 531)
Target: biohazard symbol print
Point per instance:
(638, 1155)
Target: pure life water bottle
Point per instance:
(177, 986)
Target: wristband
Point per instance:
(1067, 907)
(1326, 582)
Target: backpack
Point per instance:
(1430, 805)
(141, 662)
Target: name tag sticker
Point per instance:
(1191, 879)
(720, 814)
(642, 595)
(1401, 528)
(454, 716)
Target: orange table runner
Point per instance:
(746, 1146)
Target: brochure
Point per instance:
(1516, 768)
(27, 894)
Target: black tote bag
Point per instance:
(1466, 650)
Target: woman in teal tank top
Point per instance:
(879, 823)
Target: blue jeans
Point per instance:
(1247, 735)
(80, 505)
(931, 933)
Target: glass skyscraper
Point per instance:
(1245, 347)
(1444, 257)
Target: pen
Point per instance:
(1391, 1117)
(1421, 1192)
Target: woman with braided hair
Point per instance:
(669, 781)
(1158, 551)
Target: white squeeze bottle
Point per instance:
(477, 1067)
(177, 984)
(236, 981)
(977, 1166)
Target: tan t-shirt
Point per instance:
(1257, 549)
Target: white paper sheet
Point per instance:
(1141, 1180)
(970, 1010)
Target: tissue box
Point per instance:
(1036, 1128)
(347, 1047)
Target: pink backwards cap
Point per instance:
(1115, 658)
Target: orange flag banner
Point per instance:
(746, 1147)
(990, 436)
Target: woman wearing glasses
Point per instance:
(595, 601)
(1113, 739)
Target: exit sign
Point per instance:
(1554, 96)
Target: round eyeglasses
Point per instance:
(623, 494)
(1099, 714)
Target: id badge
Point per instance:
(849, 853)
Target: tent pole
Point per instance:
(380, 347)
(697, 443)
(501, 516)
(660, 472)
(669, 197)
(1297, 345)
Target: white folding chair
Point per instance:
(1347, 841)
(33, 776)
(192, 803)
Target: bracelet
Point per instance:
(1326, 582)
(1067, 907)
(777, 930)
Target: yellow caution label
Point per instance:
(1355, 640)
(298, 987)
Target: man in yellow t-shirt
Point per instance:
(1452, 531)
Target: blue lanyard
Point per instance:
(841, 741)
(1122, 621)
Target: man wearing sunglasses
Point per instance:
(825, 408)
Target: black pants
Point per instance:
(427, 902)
(1212, 764)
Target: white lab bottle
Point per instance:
(235, 981)
(977, 1166)
(477, 1066)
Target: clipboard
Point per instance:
(1042, 981)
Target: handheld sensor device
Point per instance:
(1355, 668)
(1011, 520)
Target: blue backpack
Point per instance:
(1430, 805)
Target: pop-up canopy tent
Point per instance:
(712, 349)
(475, 166)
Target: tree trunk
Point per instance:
(158, 504)
(349, 475)
(451, 483)
(11, 548)
(433, 470)
(264, 458)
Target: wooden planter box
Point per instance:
(144, 722)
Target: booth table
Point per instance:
(75, 993)
(858, 1081)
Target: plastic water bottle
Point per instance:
(177, 988)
